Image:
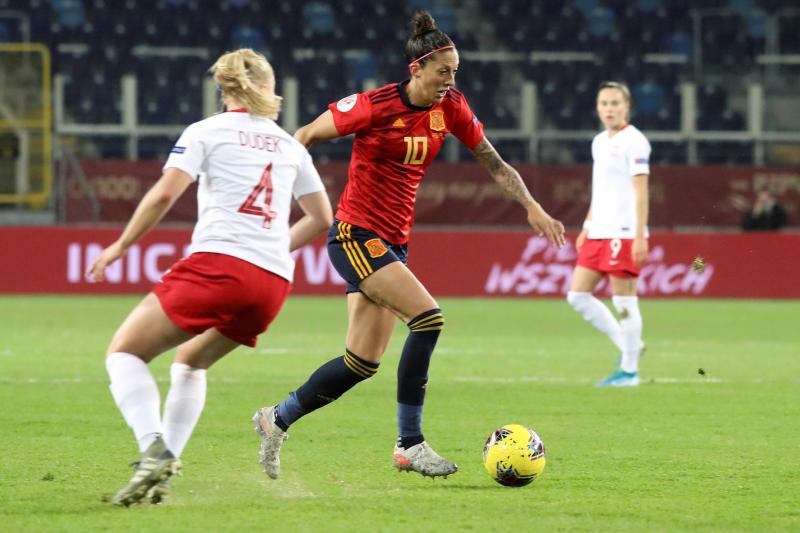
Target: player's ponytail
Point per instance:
(426, 39)
(247, 77)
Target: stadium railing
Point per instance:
(528, 130)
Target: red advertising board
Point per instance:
(465, 194)
(52, 260)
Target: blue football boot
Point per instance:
(620, 378)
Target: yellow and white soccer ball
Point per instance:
(514, 455)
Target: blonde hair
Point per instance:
(247, 77)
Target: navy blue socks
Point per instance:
(325, 385)
(412, 374)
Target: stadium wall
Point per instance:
(52, 260)
(463, 194)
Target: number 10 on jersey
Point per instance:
(416, 150)
(249, 206)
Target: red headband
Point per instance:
(423, 56)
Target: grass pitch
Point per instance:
(688, 450)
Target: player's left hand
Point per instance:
(546, 225)
(97, 271)
(640, 250)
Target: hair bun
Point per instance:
(422, 23)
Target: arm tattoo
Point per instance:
(503, 173)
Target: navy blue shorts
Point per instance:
(357, 252)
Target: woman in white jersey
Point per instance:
(239, 270)
(614, 237)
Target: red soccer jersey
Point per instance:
(395, 142)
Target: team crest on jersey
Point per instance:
(347, 103)
(437, 120)
(376, 248)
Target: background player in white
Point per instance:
(614, 236)
(239, 270)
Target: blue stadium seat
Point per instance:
(679, 42)
(620, 33)
(648, 96)
(170, 89)
(789, 42)
(714, 112)
(725, 153)
(319, 18)
(586, 6)
(566, 152)
(667, 152)
(602, 22)
(247, 36)
(69, 13)
(647, 6)
(326, 81)
(511, 150)
(9, 33)
(361, 67)
(156, 147)
(445, 17)
(727, 41)
(91, 95)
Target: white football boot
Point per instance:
(272, 438)
(156, 465)
(421, 458)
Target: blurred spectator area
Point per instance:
(335, 48)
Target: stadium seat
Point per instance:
(725, 153)
(667, 152)
(368, 43)
(246, 36)
(789, 36)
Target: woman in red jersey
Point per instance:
(398, 130)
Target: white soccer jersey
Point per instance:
(616, 160)
(248, 170)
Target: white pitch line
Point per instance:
(50, 381)
(275, 351)
(577, 380)
(582, 380)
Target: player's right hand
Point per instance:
(545, 225)
(97, 271)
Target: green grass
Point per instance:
(681, 452)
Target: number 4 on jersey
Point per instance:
(249, 206)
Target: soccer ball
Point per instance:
(514, 455)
